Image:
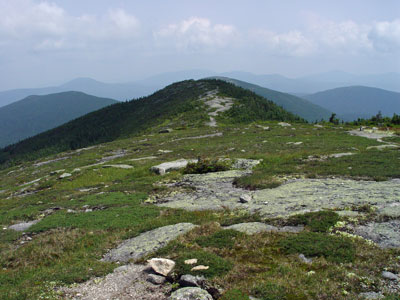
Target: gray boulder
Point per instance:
(190, 280)
(190, 293)
(390, 276)
(156, 279)
(23, 225)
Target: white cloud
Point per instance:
(46, 26)
(385, 36)
(292, 43)
(196, 34)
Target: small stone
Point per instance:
(191, 261)
(156, 279)
(200, 268)
(305, 259)
(283, 124)
(190, 293)
(165, 130)
(245, 198)
(161, 266)
(64, 175)
(389, 275)
(190, 280)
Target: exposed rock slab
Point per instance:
(126, 282)
(147, 242)
(143, 158)
(258, 227)
(215, 191)
(163, 168)
(371, 134)
(381, 147)
(385, 234)
(118, 166)
(190, 293)
(23, 225)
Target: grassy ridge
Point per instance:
(179, 101)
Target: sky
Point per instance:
(45, 43)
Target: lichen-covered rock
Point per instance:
(385, 234)
(190, 293)
(390, 275)
(252, 227)
(257, 227)
(147, 242)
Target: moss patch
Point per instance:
(333, 248)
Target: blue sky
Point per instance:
(49, 42)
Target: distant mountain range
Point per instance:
(118, 91)
(36, 114)
(127, 91)
(301, 107)
(353, 102)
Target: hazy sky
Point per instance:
(49, 42)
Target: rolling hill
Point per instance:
(355, 102)
(293, 104)
(117, 91)
(36, 114)
(178, 105)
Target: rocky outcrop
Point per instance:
(147, 242)
(23, 225)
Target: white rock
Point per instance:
(161, 266)
(284, 124)
(191, 261)
(64, 175)
(200, 268)
(172, 165)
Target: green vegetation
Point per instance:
(220, 239)
(311, 244)
(217, 265)
(205, 166)
(178, 102)
(271, 291)
(319, 221)
(234, 294)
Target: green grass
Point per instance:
(234, 294)
(66, 247)
(217, 265)
(333, 248)
(221, 239)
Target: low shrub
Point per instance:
(221, 239)
(334, 248)
(319, 221)
(206, 166)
